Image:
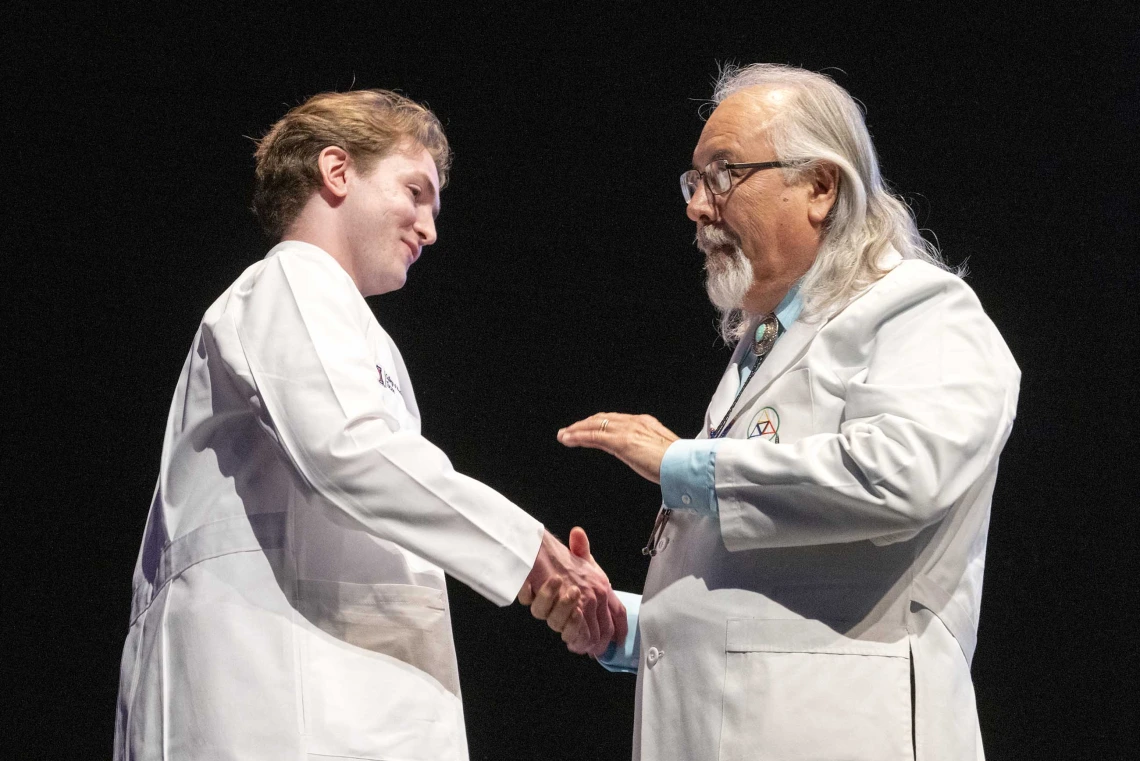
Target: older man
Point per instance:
(289, 597)
(817, 562)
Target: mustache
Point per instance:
(710, 239)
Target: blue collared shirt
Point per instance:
(688, 482)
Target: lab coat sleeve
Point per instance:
(924, 417)
(302, 334)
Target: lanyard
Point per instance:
(761, 346)
(766, 333)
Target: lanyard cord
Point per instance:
(761, 346)
(716, 433)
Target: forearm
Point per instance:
(881, 482)
(400, 487)
(298, 338)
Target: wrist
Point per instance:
(541, 570)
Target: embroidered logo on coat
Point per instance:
(386, 380)
(766, 425)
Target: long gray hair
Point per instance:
(822, 124)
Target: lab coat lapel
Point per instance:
(787, 350)
(726, 391)
(792, 345)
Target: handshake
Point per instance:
(569, 591)
(566, 588)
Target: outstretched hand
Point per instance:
(556, 602)
(639, 441)
(574, 595)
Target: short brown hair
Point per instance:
(367, 124)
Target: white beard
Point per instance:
(729, 272)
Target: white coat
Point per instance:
(289, 596)
(844, 568)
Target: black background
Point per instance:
(564, 282)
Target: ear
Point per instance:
(333, 163)
(823, 191)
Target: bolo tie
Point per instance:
(766, 333)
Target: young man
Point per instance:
(289, 597)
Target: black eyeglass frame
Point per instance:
(754, 165)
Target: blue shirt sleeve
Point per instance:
(688, 475)
(625, 657)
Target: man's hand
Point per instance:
(639, 441)
(560, 610)
(575, 595)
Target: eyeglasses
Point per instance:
(718, 176)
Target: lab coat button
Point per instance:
(653, 655)
(686, 499)
(662, 543)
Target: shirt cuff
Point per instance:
(688, 475)
(625, 657)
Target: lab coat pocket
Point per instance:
(797, 688)
(784, 412)
(380, 675)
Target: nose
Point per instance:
(425, 227)
(701, 207)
